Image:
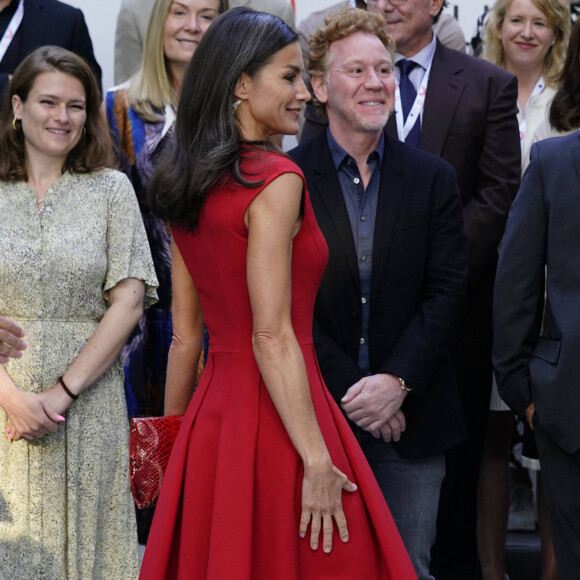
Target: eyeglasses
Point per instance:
(393, 2)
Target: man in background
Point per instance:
(25, 25)
(465, 112)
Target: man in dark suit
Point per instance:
(537, 329)
(466, 114)
(42, 22)
(396, 278)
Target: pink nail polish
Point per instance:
(60, 418)
(10, 436)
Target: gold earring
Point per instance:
(235, 106)
(14, 123)
(84, 131)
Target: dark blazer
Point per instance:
(48, 22)
(470, 120)
(537, 356)
(418, 285)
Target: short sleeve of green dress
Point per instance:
(65, 505)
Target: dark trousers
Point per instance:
(561, 479)
(411, 488)
(454, 555)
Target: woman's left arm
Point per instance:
(104, 346)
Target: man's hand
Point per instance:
(11, 343)
(373, 402)
(530, 415)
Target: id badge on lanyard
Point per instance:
(11, 30)
(403, 129)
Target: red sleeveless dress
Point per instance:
(230, 504)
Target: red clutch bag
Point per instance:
(150, 443)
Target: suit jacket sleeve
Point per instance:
(498, 175)
(425, 341)
(339, 369)
(519, 289)
(82, 45)
(128, 43)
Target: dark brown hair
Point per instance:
(92, 152)
(208, 144)
(565, 109)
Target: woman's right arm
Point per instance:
(187, 341)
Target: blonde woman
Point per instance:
(529, 38)
(141, 115)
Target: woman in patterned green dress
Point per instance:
(76, 273)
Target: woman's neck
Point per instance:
(177, 75)
(43, 174)
(527, 81)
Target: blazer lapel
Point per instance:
(391, 195)
(444, 91)
(326, 187)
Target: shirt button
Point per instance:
(39, 313)
(37, 347)
(362, 340)
(356, 180)
(363, 218)
(363, 258)
(363, 300)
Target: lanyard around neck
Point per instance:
(11, 30)
(404, 128)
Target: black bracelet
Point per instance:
(66, 389)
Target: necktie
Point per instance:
(408, 95)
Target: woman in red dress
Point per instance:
(266, 480)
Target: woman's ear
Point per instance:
(16, 106)
(243, 87)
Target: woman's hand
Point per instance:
(30, 417)
(322, 489)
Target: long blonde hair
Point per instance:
(557, 13)
(153, 86)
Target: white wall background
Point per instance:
(101, 17)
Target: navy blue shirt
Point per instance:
(362, 224)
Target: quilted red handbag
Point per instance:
(150, 444)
